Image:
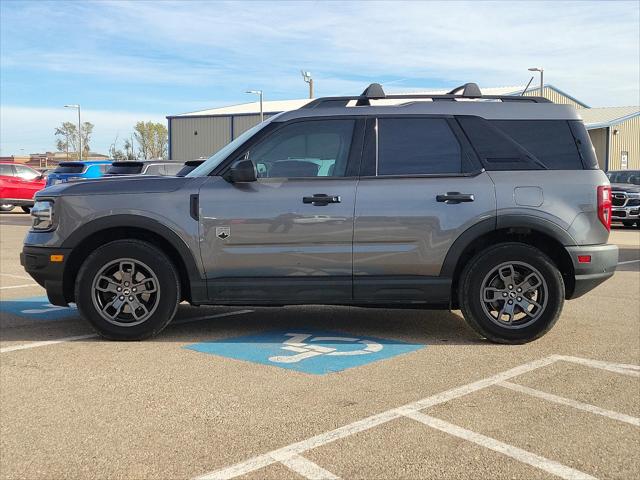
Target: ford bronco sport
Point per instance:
(494, 205)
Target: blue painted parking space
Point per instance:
(36, 308)
(314, 352)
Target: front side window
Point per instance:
(417, 146)
(312, 148)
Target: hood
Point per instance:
(117, 185)
(625, 187)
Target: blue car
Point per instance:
(66, 171)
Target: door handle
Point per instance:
(452, 198)
(320, 199)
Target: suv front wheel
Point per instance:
(511, 293)
(127, 290)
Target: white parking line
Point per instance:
(516, 453)
(25, 346)
(628, 261)
(207, 317)
(572, 403)
(20, 286)
(307, 468)
(621, 368)
(298, 448)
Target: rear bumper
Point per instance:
(37, 263)
(587, 276)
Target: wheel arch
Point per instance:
(98, 232)
(539, 233)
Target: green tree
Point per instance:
(67, 139)
(152, 139)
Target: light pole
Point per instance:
(258, 92)
(541, 70)
(79, 129)
(306, 76)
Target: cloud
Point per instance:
(33, 128)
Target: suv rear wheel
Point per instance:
(127, 290)
(511, 293)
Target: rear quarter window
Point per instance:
(550, 141)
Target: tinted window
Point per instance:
(6, 170)
(125, 169)
(496, 150)
(316, 148)
(411, 146)
(25, 173)
(585, 147)
(550, 141)
(68, 167)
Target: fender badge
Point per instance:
(223, 232)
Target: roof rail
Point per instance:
(375, 92)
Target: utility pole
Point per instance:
(258, 92)
(541, 70)
(306, 76)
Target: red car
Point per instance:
(18, 185)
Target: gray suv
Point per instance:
(494, 205)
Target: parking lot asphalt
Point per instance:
(217, 395)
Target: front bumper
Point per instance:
(622, 214)
(587, 276)
(37, 263)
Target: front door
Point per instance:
(287, 236)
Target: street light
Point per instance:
(306, 76)
(541, 70)
(258, 92)
(79, 129)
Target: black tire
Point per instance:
(483, 277)
(628, 223)
(26, 209)
(136, 261)
(7, 207)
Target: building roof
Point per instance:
(277, 106)
(607, 116)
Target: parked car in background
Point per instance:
(18, 185)
(189, 166)
(66, 171)
(625, 191)
(144, 167)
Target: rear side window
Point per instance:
(69, 168)
(417, 146)
(6, 170)
(550, 141)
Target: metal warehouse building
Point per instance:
(614, 131)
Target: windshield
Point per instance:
(626, 176)
(215, 160)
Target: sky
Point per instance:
(143, 60)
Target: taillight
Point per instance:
(604, 205)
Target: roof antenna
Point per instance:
(525, 88)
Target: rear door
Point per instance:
(421, 186)
(287, 236)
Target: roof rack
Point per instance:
(375, 92)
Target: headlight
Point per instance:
(42, 213)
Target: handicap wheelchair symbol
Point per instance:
(36, 308)
(297, 343)
(308, 351)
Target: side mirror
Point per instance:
(242, 171)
